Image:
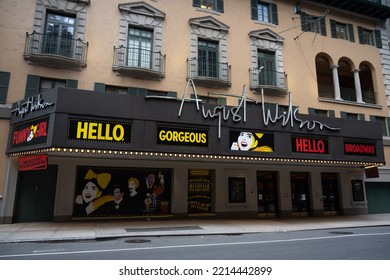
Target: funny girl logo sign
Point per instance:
(30, 133)
(115, 191)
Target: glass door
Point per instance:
(267, 192)
(300, 193)
(330, 193)
(266, 62)
(59, 34)
(140, 48)
(208, 59)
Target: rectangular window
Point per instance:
(370, 37)
(237, 190)
(46, 84)
(367, 37)
(207, 59)
(352, 116)
(214, 5)
(116, 89)
(265, 12)
(384, 123)
(312, 23)
(322, 113)
(140, 47)
(342, 31)
(37, 84)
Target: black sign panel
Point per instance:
(359, 149)
(182, 136)
(30, 133)
(92, 130)
(309, 145)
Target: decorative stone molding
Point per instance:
(141, 14)
(76, 7)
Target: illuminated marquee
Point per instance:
(309, 145)
(99, 130)
(359, 149)
(182, 136)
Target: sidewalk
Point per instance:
(33, 232)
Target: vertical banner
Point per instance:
(199, 191)
(122, 191)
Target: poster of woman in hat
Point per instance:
(91, 197)
(145, 191)
(249, 141)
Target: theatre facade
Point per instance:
(84, 154)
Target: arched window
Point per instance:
(347, 81)
(366, 83)
(324, 76)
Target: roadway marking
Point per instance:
(193, 245)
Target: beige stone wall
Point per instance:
(102, 31)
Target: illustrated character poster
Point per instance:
(251, 141)
(116, 191)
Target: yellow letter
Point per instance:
(82, 128)
(92, 131)
(118, 137)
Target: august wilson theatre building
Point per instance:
(87, 155)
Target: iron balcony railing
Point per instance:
(56, 45)
(125, 57)
(268, 79)
(210, 70)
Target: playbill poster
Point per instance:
(122, 191)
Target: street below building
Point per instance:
(359, 243)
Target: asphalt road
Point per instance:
(366, 243)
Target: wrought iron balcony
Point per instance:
(273, 82)
(55, 51)
(139, 63)
(379, 9)
(209, 73)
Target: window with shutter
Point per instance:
(265, 12)
(215, 5)
(312, 23)
(369, 37)
(4, 83)
(37, 84)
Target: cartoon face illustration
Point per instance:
(245, 141)
(133, 184)
(150, 179)
(117, 194)
(31, 135)
(90, 192)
